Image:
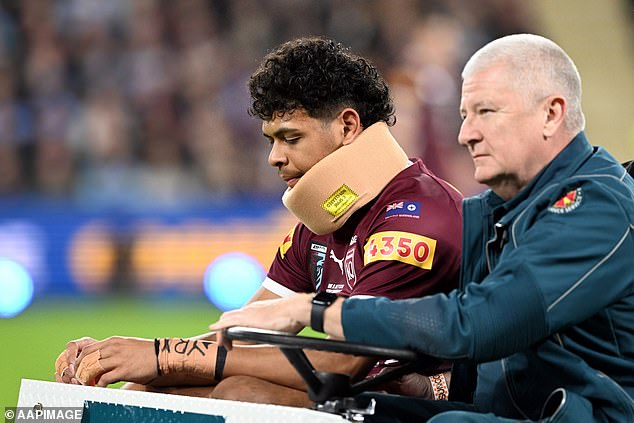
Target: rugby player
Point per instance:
(372, 222)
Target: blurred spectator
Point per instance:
(143, 103)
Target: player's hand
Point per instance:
(284, 314)
(65, 363)
(411, 385)
(117, 359)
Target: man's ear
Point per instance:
(555, 108)
(350, 125)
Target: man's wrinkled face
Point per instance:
(501, 129)
(298, 141)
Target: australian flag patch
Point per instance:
(403, 209)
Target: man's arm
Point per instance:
(268, 363)
(297, 308)
(545, 283)
(130, 359)
(278, 314)
(194, 360)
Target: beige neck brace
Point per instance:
(346, 180)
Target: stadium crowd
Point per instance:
(110, 102)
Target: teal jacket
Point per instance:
(546, 302)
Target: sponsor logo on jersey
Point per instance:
(316, 261)
(334, 288)
(318, 247)
(353, 240)
(568, 202)
(403, 209)
(340, 200)
(286, 244)
(405, 247)
(339, 261)
(348, 264)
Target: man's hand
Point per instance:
(117, 359)
(284, 314)
(411, 385)
(87, 361)
(65, 363)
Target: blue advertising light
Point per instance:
(231, 279)
(16, 288)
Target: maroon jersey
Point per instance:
(405, 243)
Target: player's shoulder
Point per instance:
(417, 180)
(297, 237)
(417, 189)
(415, 203)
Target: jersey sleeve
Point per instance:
(288, 271)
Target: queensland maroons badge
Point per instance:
(286, 244)
(568, 202)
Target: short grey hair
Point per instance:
(540, 68)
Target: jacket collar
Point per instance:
(561, 167)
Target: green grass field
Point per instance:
(32, 340)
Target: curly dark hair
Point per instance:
(321, 77)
